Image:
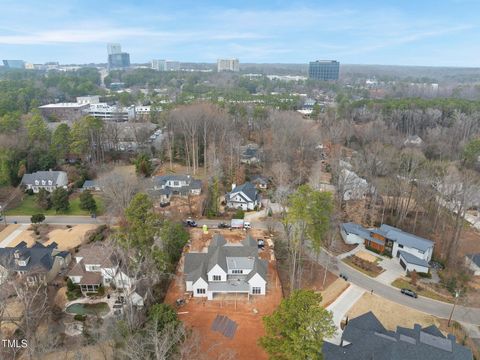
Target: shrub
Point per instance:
(239, 214)
(79, 317)
(30, 192)
(37, 218)
(101, 291)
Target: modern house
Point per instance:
(182, 185)
(48, 180)
(413, 251)
(365, 338)
(473, 263)
(226, 268)
(97, 267)
(39, 263)
(245, 197)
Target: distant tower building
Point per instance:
(228, 65)
(14, 64)
(116, 58)
(158, 65)
(114, 48)
(324, 70)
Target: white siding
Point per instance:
(189, 285)
(199, 284)
(257, 281)
(411, 267)
(75, 279)
(217, 270)
(427, 255)
(351, 238)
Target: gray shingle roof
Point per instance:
(248, 189)
(369, 340)
(40, 257)
(58, 178)
(475, 258)
(412, 259)
(221, 253)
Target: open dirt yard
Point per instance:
(70, 238)
(366, 256)
(6, 231)
(199, 314)
(66, 238)
(333, 291)
(390, 313)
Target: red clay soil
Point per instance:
(199, 314)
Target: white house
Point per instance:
(473, 262)
(178, 184)
(48, 180)
(226, 268)
(245, 197)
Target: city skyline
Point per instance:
(363, 32)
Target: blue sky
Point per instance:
(403, 32)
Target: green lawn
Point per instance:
(29, 207)
(402, 283)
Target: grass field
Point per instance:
(402, 283)
(29, 206)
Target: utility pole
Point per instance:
(457, 294)
(2, 212)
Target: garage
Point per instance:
(412, 263)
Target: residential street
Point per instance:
(462, 314)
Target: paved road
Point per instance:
(58, 220)
(426, 305)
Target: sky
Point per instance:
(401, 32)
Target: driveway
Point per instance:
(340, 307)
(393, 270)
(13, 235)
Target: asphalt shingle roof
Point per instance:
(58, 178)
(248, 189)
(367, 339)
(40, 257)
(475, 258)
(412, 259)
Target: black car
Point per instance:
(223, 225)
(190, 223)
(409, 292)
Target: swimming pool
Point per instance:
(100, 308)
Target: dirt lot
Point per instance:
(390, 313)
(66, 238)
(6, 231)
(199, 314)
(183, 207)
(366, 256)
(333, 291)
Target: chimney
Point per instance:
(16, 254)
(234, 186)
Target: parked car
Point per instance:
(261, 243)
(409, 292)
(190, 223)
(223, 225)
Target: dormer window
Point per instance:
(37, 182)
(43, 182)
(23, 262)
(49, 182)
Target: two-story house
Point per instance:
(245, 197)
(37, 264)
(414, 252)
(226, 268)
(183, 185)
(95, 267)
(48, 180)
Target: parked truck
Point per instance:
(239, 224)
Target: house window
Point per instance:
(400, 246)
(256, 290)
(200, 291)
(217, 277)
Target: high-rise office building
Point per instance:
(165, 65)
(14, 64)
(116, 58)
(324, 70)
(114, 48)
(228, 65)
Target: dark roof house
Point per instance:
(365, 338)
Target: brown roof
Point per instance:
(96, 254)
(77, 270)
(91, 278)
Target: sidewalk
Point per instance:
(340, 307)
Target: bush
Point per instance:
(79, 317)
(101, 291)
(73, 290)
(37, 218)
(99, 234)
(239, 214)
